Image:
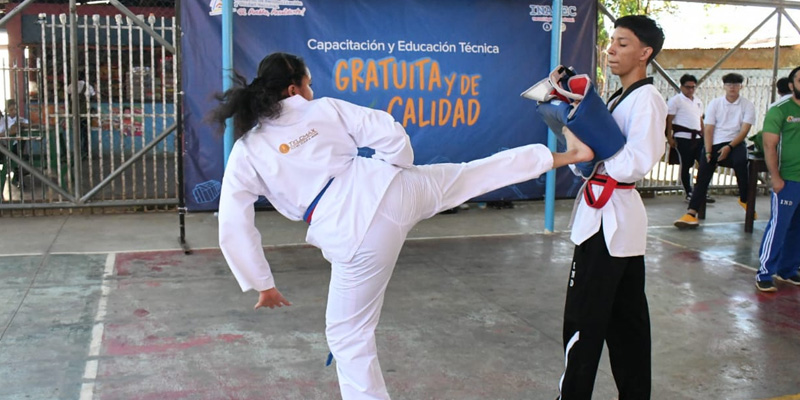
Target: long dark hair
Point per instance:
(261, 97)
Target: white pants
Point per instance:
(357, 286)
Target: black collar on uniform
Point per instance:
(636, 85)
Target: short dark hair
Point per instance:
(792, 74)
(11, 103)
(688, 78)
(783, 86)
(646, 29)
(732, 78)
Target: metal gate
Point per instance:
(112, 139)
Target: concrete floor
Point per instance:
(108, 307)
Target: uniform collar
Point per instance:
(290, 113)
(294, 101)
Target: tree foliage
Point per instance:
(621, 8)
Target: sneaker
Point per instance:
(744, 205)
(710, 200)
(688, 198)
(687, 221)
(766, 286)
(795, 280)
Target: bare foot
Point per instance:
(576, 149)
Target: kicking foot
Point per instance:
(576, 149)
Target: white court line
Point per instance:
(90, 372)
(714, 256)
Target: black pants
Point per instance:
(606, 302)
(690, 151)
(737, 159)
(84, 137)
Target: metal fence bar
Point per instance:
(70, 205)
(735, 48)
(164, 83)
(132, 160)
(142, 75)
(151, 19)
(140, 23)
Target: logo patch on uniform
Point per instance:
(790, 119)
(293, 144)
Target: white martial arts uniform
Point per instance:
(361, 221)
(687, 112)
(624, 218)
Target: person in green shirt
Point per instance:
(782, 155)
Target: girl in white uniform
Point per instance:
(301, 154)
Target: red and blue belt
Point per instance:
(310, 210)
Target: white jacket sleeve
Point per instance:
(239, 238)
(379, 131)
(645, 141)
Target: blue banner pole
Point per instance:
(555, 60)
(227, 69)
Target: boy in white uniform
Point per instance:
(301, 154)
(606, 301)
(685, 129)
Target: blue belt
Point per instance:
(313, 205)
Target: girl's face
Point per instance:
(305, 87)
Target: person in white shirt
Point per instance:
(302, 155)
(11, 122)
(605, 300)
(685, 127)
(782, 87)
(11, 125)
(728, 120)
(86, 93)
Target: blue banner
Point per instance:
(450, 71)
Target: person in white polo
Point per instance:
(727, 122)
(685, 129)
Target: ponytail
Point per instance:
(246, 103)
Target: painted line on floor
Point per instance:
(90, 372)
(787, 397)
(672, 226)
(738, 264)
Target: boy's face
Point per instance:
(688, 88)
(626, 51)
(732, 89)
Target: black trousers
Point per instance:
(606, 302)
(690, 151)
(737, 159)
(84, 137)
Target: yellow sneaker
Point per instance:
(744, 205)
(687, 221)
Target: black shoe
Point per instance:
(766, 286)
(710, 199)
